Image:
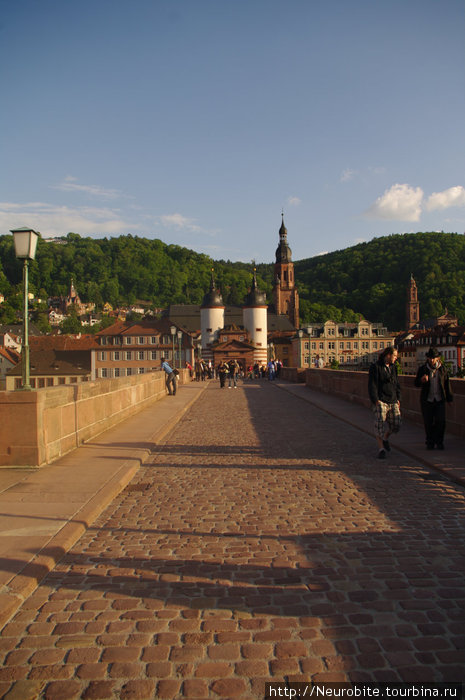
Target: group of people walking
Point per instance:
(384, 392)
(383, 389)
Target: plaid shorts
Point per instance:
(386, 413)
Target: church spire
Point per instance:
(285, 294)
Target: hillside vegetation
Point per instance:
(369, 279)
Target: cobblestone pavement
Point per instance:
(262, 541)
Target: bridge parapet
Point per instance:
(37, 427)
(353, 386)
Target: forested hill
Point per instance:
(372, 278)
(368, 279)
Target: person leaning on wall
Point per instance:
(433, 379)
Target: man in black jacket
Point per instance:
(434, 381)
(384, 392)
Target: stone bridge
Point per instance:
(222, 539)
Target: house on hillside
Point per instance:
(9, 358)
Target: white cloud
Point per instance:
(347, 175)
(70, 185)
(294, 201)
(399, 203)
(52, 220)
(179, 221)
(453, 197)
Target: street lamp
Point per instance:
(300, 333)
(173, 334)
(25, 248)
(179, 346)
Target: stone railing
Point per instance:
(353, 386)
(37, 427)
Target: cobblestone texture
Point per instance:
(261, 542)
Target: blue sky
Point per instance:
(198, 121)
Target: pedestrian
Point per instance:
(271, 370)
(433, 379)
(384, 392)
(233, 367)
(198, 370)
(170, 378)
(222, 373)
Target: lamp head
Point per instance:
(25, 242)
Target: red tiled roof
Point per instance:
(62, 342)
(10, 355)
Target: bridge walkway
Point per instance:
(253, 537)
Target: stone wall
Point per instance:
(37, 427)
(353, 386)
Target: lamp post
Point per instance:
(173, 334)
(179, 346)
(25, 248)
(300, 333)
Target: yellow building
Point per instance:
(352, 345)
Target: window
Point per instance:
(140, 355)
(141, 340)
(331, 345)
(154, 339)
(348, 345)
(117, 371)
(375, 345)
(154, 355)
(41, 382)
(103, 340)
(61, 380)
(141, 370)
(116, 355)
(306, 346)
(241, 338)
(128, 355)
(224, 338)
(306, 358)
(49, 381)
(356, 345)
(73, 380)
(128, 340)
(258, 330)
(129, 371)
(102, 356)
(341, 346)
(313, 346)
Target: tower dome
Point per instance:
(283, 252)
(255, 297)
(213, 296)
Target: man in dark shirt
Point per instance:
(434, 381)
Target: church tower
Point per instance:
(255, 315)
(285, 294)
(413, 305)
(211, 318)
